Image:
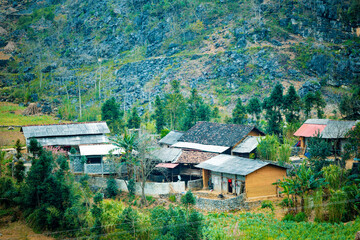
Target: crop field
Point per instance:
(262, 226)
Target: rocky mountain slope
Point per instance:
(68, 54)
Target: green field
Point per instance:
(261, 226)
(10, 115)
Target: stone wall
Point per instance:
(236, 203)
(151, 188)
(195, 184)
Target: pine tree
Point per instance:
(308, 103)
(134, 120)
(292, 105)
(319, 103)
(111, 114)
(273, 106)
(159, 114)
(239, 113)
(254, 107)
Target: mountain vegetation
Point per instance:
(73, 56)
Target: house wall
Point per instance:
(220, 182)
(151, 188)
(259, 183)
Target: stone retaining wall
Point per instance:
(236, 203)
(195, 184)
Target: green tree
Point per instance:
(19, 171)
(352, 147)
(110, 112)
(319, 149)
(319, 103)
(350, 105)
(97, 212)
(111, 188)
(239, 113)
(254, 108)
(159, 114)
(18, 149)
(134, 119)
(308, 103)
(292, 105)
(175, 106)
(273, 106)
(128, 223)
(188, 199)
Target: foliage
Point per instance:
(164, 132)
(273, 106)
(350, 105)
(134, 119)
(239, 113)
(289, 217)
(131, 187)
(97, 212)
(111, 188)
(18, 149)
(110, 112)
(254, 107)
(34, 146)
(300, 217)
(267, 204)
(19, 171)
(176, 223)
(269, 148)
(318, 204)
(334, 176)
(292, 105)
(188, 199)
(336, 206)
(353, 142)
(159, 114)
(172, 198)
(128, 223)
(319, 148)
(314, 100)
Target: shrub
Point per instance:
(131, 187)
(267, 204)
(289, 217)
(300, 217)
(188, 199)
(287, 202)
(172, 198)
(111, 189)
(150, 199)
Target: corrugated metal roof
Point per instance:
(71, 129)
(167, 165)
(317, 121)
(195, 157)
(171, 138)
(233, 165)
(337, 129)
(248, 145)
(167, 154)
(309, 130)
(70, 140)
(201, 147)
(99, 149)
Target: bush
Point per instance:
(131, 187)
(111, 189)
(267, 204)
(287, 202)
(300, 217)
(188, 199)
(172, 198)
(289, 217)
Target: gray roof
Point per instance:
(317, 121)
(337, 129)
(200, 147)
(70, 140)
(233, 165)
(167, 154)
(171, 138)
(248, 145)
(71, 129)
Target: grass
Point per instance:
(10, 115)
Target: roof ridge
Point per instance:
(52, 124)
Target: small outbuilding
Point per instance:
(67, 135)
(231, 174)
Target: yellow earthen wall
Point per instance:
(259, 183)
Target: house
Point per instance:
(171, 138)
(237, 175)
(94, 159)
(167, 169)
(217, 134)
(332, 130)
(67, 135)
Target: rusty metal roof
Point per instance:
(167, 165)
(72, 129)
(309, 130)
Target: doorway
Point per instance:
(230, 187)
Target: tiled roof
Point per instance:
(195, 157)
(218, 134)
